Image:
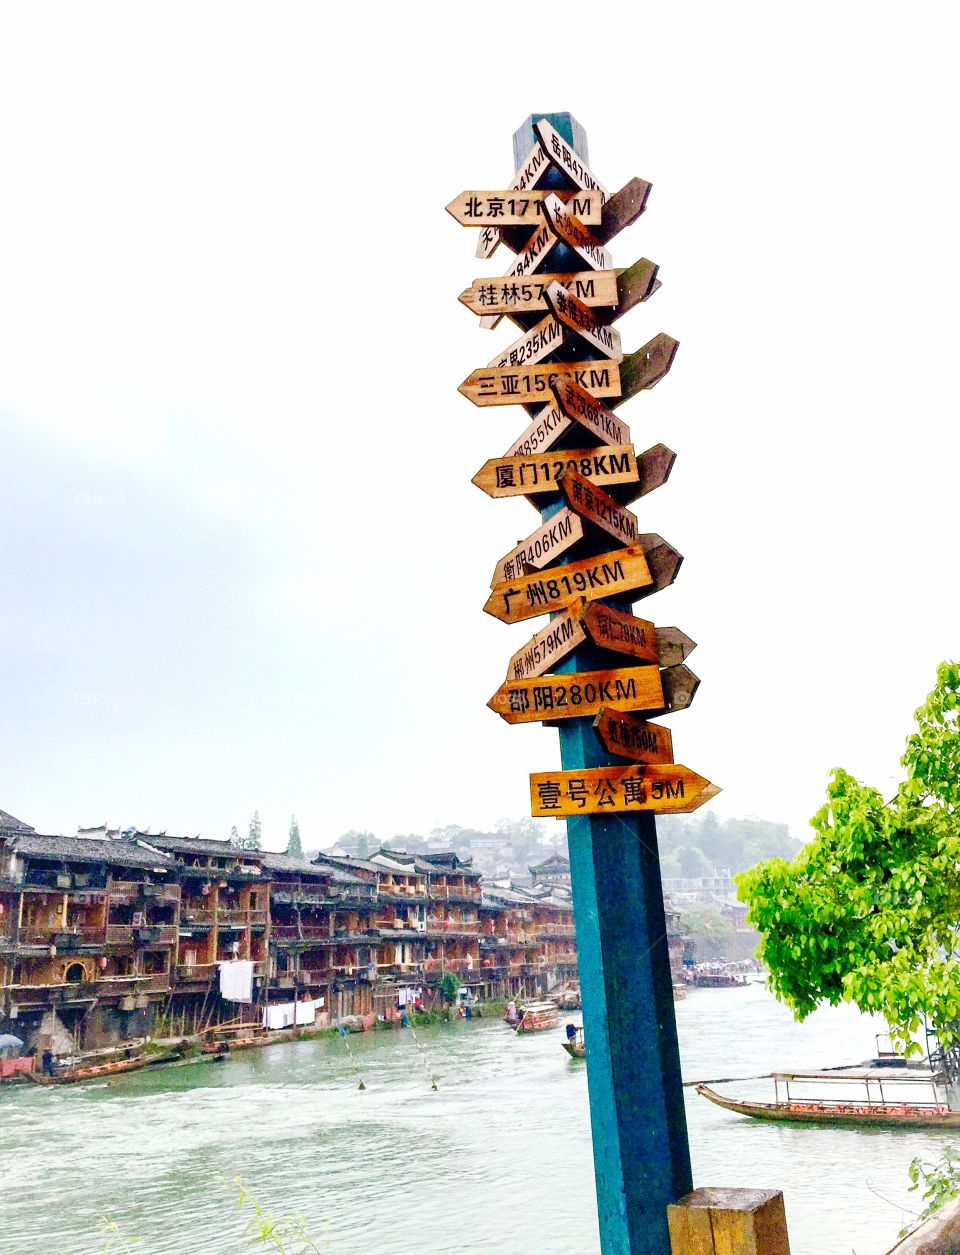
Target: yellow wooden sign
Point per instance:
(549, 646)
(520, 209)
(544, 338)
(581, 320)
(541, 548)
(519, 477)
(526, 385)
(548, 425)
(580, 404)
(575, 696)
(623, 633)
(539, 592)
(629, 737)
(590, 502)
(529, 173)
(565, 157)
(595, 288)
(662, 788)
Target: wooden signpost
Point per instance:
(594, 670)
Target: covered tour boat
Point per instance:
(533, 1017)
(924, 1107)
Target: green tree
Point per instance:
(294, 846)
(868, 912)
(234, 836)
(693, 862)
(252, 840)
(449, 984)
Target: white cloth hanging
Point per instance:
(236, 980)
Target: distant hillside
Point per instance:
(696, 845)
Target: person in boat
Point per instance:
(571, 1032)
(511, 1012)
(48, 1065)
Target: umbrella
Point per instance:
(8, 1041)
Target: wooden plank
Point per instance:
(634, 285)
(718, 1221)
(581, 405)
(659, 787)
(566, 159)
(621, 632)
(579, 695)
(526, 385)
(544, 338)
(519, 476)
(536, 250)
(674, 646)
(606, 574)
(622, 209)
(654, 467)
(541, 548)
(645, 368)
(596, 288)
(679, 686)
(528, 174)
(627, 736)
(590, 502)
(575, 235)
(550, 423)
(521, 209)
(548, 647)
(663, 559)
(581, 320)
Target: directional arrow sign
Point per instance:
(529, 173)
(582, 407)
(550, 646)
(596, 288)
(679, 686)
(674, 646)
(568, 228)
(565, 158)
(520, 209)
(576, 696)
(645, 368)
(663, 559)
(612, 629)
(518, 477)
(590, 502)
(525, 385)
(634, 738)
(549, 424)
(541, 548)
(533, 346)
(623, 208)
(581, 320)
(604, 790)
(538, 593)
(654, 467)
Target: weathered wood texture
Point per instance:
(940, 1235)
(530, 170)
(581, 694)
(729, 1222)
(600, 288)
(519, 476)
(550, 423)
(542, 547)
(674, 646)
(539, 592)
(565, 157)
(629, 737)
(622, 209)
(679, 686)
(653, 469)
(623, 633)
(581, 320)
(659, 787)
(647, 366)
(595, 506)
(568, 228)
(549, 646)
(542, 339)
(474, 208)
(526, 385)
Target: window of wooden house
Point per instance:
(74, 974)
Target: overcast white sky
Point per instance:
(242, 561)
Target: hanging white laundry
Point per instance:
(236, 980)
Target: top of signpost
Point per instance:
(564, 124)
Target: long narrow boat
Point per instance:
(880, 1111)
(70, 1076)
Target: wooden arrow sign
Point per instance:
(526, 385)
(679, 686)
(544, 338)
(622, 209)
(612, 291)
(590, 502)
(575, 235)
(606, 790)
(612, 629)
(566, 159)
(549, 646)
(520, 209)
(629, 737)
(581, 320)
(518, 477)
(536, 593)
(541, 548)
(581, 406)
(549, 424)
(662, 558)
(529, 173)
(653, 467)
(645, 368)
(674, 646)
(576, 696)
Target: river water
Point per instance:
(498, 1158)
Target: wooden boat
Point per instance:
(94, 1072)
(537, 1016)
(574, 1046)
(875, 1110)
(227, 1039)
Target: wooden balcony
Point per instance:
(196, 971)
(65, 939)
(141, 934)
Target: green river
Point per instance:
(498, 1158)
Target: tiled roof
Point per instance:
(87, 850)
(8, 823)
(201, 846)
(284, 863)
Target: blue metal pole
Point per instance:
(640, 1149)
